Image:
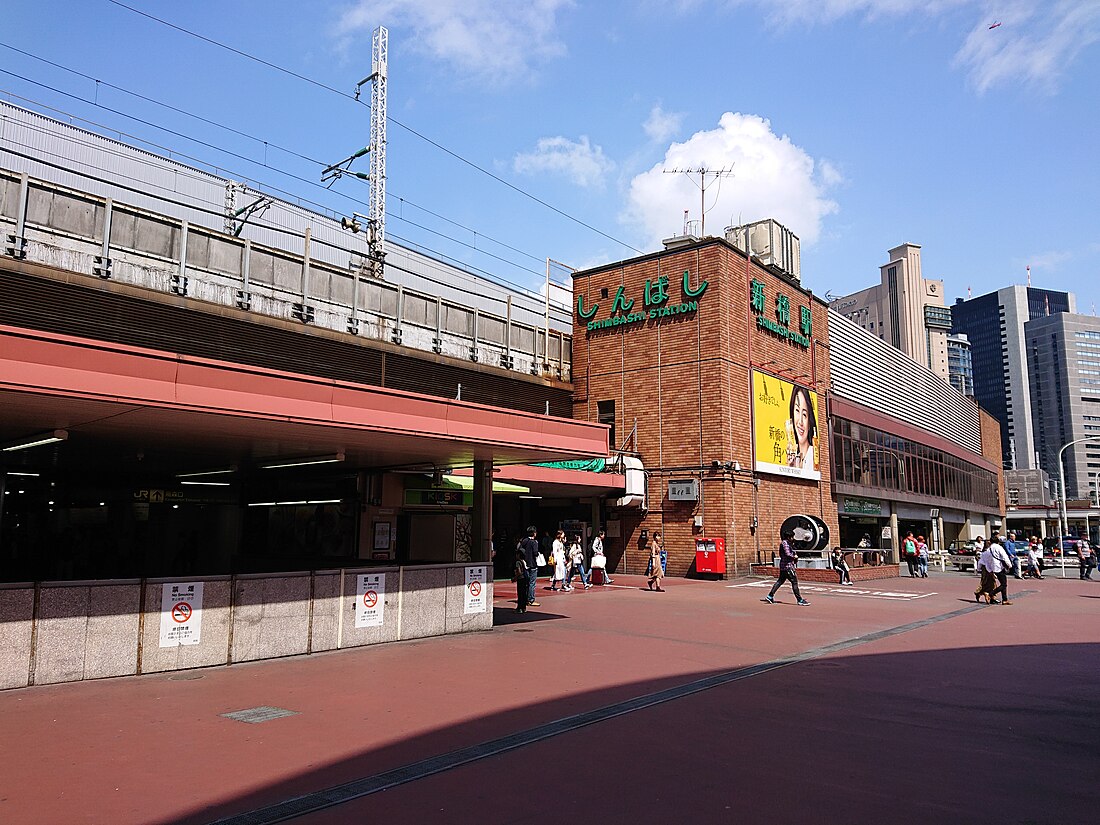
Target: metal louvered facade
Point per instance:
(870, 372)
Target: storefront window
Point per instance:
(875, 459)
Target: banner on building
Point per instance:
(787, 428)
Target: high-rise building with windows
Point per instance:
(904, 309)
(1063, 359)
(960, 367)
(994, 325)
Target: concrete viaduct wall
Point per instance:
(69, 631)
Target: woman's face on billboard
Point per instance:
(801, 420)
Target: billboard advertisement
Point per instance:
(787, 428)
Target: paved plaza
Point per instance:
(902, 702)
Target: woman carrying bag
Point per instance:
(557, 561)
(599, 558)
(656, 570)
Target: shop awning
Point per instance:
(467, 483)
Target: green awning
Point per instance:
(467, 483)
(591, 465)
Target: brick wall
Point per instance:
(686, 379)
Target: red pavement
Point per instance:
(984, 717)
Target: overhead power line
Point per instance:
(269, 187)
(390, 118)
(266, 143)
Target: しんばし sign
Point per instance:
(656, 304)
(786, 428)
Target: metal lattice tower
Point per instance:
(377, 208)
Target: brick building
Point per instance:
(695, 354)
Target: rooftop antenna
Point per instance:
(703, 184)
(1029, 276)
(686, 221)
(968, 293)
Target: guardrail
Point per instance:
(99, 237)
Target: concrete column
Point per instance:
(482, 517)
(1043, 527)
(595, 516)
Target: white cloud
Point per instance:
(1050, 261)
(500, 41)
(662, 125)
(1035, 43)
(580, 161)
(772, 178)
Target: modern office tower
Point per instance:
(960, 367)
(1063, 360)
(994, 325)
(905, 310)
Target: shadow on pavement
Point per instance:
(898, 737)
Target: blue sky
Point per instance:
(860, 124)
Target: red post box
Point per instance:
(710, 556)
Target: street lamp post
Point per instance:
(1063, 521)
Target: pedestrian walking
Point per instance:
(987, 586)
(1034, 563)
(599, 558)
(909, 553)
(841, 566)
(1010, 549)
(531, 553)
(557, 561)
(1086, 559)
(788, 560)
(998, 563)
(520, 577)
(656, 570)
(922, 557)
(576, 564)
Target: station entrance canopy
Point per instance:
(194, 413)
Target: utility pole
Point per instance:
(703, 184)
(376, 148)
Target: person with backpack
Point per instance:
(531, 553)
(909, 553)
(922, 557)
(519, 575)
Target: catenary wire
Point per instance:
(262, 186)
(265, 143)
(257, 222)
(390, 118)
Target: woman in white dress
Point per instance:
(557, 559)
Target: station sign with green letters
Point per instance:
(781, 326)
(656, 304)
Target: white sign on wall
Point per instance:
(180, 613)
(475, 590)
(683, 490)
(370, 599)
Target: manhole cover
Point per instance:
(185, 677)
(261, 714)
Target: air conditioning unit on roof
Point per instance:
(772, 245)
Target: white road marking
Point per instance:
(888, 595)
